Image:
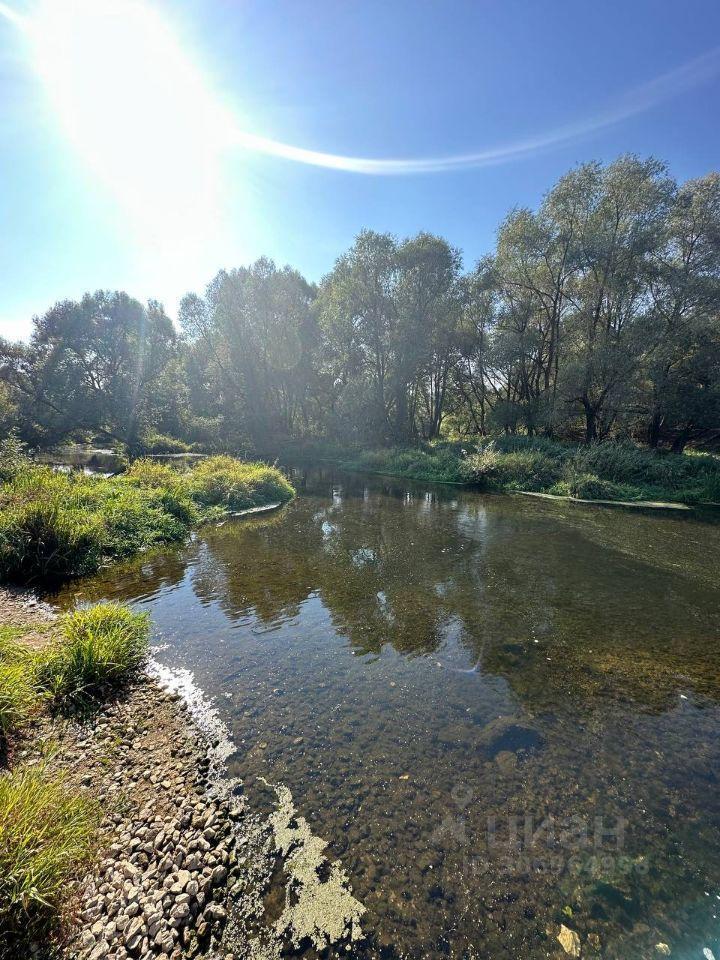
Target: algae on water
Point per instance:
(319, 904)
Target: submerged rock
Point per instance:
(510, 735)
(569, 941)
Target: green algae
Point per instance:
(320, 907)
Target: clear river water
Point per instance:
(503, 713)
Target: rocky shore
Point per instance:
(184, 867)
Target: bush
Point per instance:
(46, 835)
(587, 486)
(236, 485)
(99, 647)
(160, 443)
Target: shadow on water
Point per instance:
(503, 713)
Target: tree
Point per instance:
(255, 337)
(680, 383)
(100, 365)
(622, 211)
(390, 313)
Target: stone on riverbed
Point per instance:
(510, 735)
(569, 941)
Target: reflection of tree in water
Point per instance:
(158, 570)
(510, 592)
(260, 567)
(385, 575)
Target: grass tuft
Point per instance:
(237, 485)
(98, 648)
(46, 835)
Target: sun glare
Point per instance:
(138, 110)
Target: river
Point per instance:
(503, 713)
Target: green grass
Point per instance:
(161, 443)
(46, 835)
(426, 463)
(97, 648)
(606, 471)
(236, 485)
(56, 525)
(18, 690)
(47, 831)
(89, 652)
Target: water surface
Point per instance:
(502, 712)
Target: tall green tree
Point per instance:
(256, 334)
(100, 365)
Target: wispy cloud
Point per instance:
(639, 100)
(17, 19)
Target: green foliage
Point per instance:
(531, 468)
(46, 835)
(18, 694)
(56, 525)
(236, 485)
(98, 647)
(154, 442)
(13, 456)
(588, 486)
(597, 315)
(420, 464)
(608, 471)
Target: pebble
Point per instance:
(158, 892)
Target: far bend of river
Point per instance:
(509, 708)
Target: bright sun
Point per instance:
(137, 109)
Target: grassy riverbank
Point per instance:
(55, 525)
(47, 828)
(607, 471)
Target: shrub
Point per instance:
(236, 485)
(99, 647)
(484, 465)
(160, 443)
(46, 835)
(587, 486)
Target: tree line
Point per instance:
(596, 316)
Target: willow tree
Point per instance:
(256, 334)
(390, 311)
(681, 386)
(622, 210)
(102, 365)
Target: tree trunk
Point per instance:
(680, 441)
(654, 428)
(590, 421)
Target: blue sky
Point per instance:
(107, 181)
